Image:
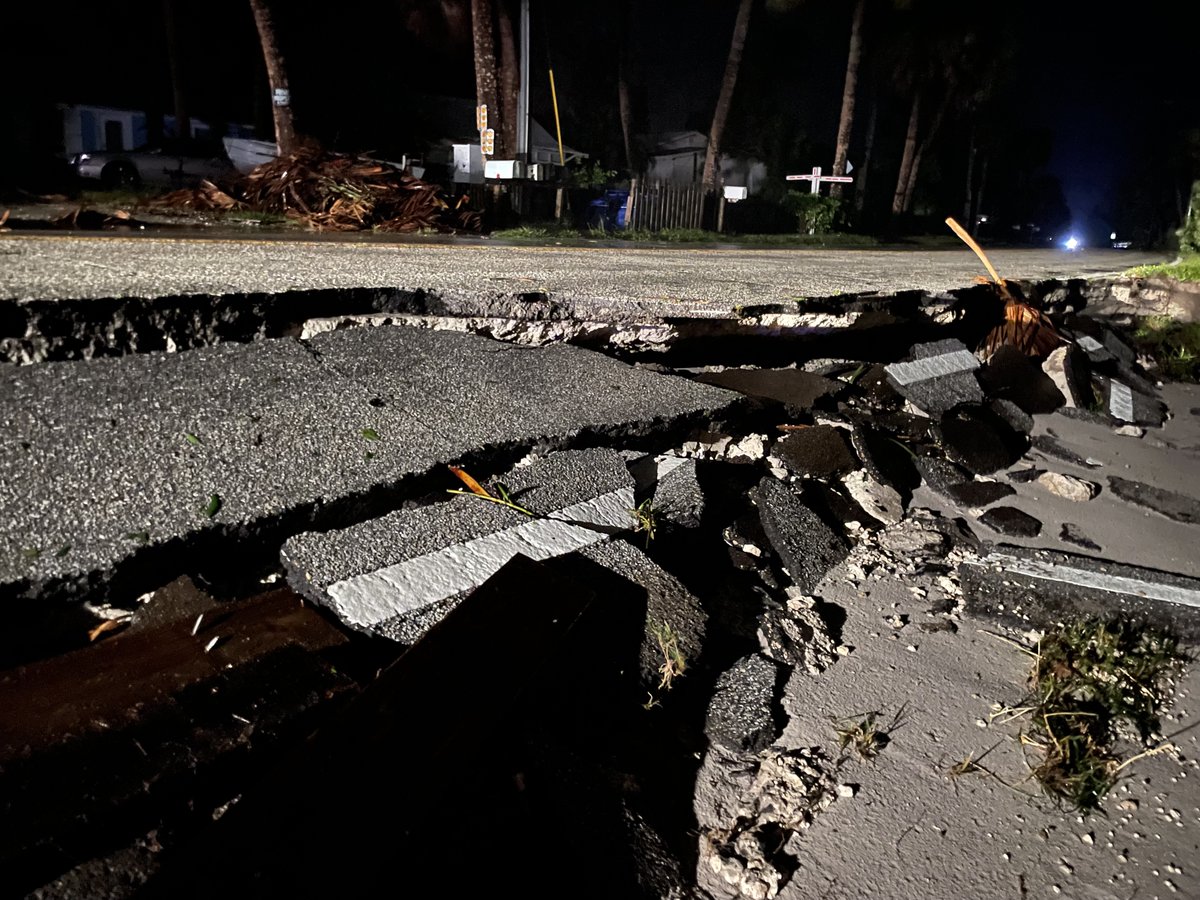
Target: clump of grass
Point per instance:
(674, 662)
(1174, 346)
(864, 733)
(646, 518)
(1186, 269)
(1090, 681)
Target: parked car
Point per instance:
(170, 164)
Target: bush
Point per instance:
(814, 213)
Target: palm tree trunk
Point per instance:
(510, 80)
(183, 120)
(486, 91)
(281, 98)
(860, 189)
(721, 114)
(930, 134)
(906, 161)
(846, 121)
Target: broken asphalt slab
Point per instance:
(121, 467)
(1036, 589)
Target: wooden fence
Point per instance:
(655, 205)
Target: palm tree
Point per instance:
(724, 99)
(846, 120)
(486, 90)
(281, 105)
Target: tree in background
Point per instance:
(846, 119)
(281, 102)
(487, 91)
(721, 114)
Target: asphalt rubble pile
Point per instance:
(572, 673)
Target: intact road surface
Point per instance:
(86, 267)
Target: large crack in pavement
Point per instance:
(694, 560)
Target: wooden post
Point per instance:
(558, 203)
(721, 212)
(632, 208)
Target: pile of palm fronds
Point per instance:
(1025, 326)
(205, 197)
(336, 192)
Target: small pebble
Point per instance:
(1088, 838)
(847, 790)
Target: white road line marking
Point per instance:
(1120, 401)
(373, 597)
(933, 367)
(1117, 584)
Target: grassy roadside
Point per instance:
(1186, 269)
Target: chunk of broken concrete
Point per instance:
(795, 388)
(887, 461)
(818, 452)
(980, 440)
(1009, 520)
(797, 635)
(806, 546)
(1068, 486)
(399, 574)
(1024, 476)
(1068, 368)
(880, 500)
(978, 494)
(1072, 534)
(1049, 445)
(1040, 588)
(939, 377)
(1171, 504)
(744, 714)
(1011, 375)
(939, 474)
(1127, 405)
(1013, 415)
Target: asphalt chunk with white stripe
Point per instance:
(1039, 588)
(386, 574)
(116, 474)
(939, 377)
(1127, 405)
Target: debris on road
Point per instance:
(336, 192)
(604, 625)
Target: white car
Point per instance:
(172, 164)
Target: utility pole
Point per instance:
(523, 90)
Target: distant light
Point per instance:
(1113, 236)
(982, 219)
(1071, 243)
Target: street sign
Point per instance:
(481, 117)
(816, 178)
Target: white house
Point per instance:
(677, 157)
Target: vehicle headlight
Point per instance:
(82, 157)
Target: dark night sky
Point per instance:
(1107, 86)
